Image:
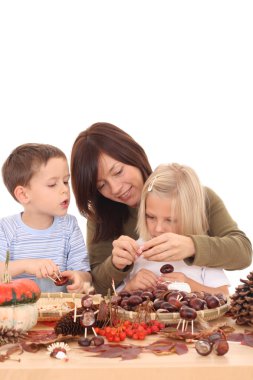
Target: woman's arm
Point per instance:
(100, 255)
(226, 246)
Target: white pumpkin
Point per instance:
(23, 316)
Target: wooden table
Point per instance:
(236, 364)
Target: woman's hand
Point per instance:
(124, 251)
(168, 247)
(143, 279)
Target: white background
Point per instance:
(176, 75)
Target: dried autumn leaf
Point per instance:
(9, 350)
(41, 336)
(248, 340)
(126, 352)
(15, 349)
(165, 347)
(245, 339)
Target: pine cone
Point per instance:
(11, 335)
(242, 302)
(67, 326)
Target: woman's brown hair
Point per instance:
(102, 137)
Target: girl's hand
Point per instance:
(143, 279)
(168, 247)
(174, 277)
(124, 251)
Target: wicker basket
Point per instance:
(173, 318)
(52, 306)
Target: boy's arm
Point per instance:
(40, 268)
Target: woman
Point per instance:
(108, 171)
(173, 202)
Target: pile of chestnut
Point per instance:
(168, 301)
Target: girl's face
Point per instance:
(119, 182)
(159, 216)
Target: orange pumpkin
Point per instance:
(18, 292)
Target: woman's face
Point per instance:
(159, 216)
(119, 182)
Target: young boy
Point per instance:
(173, 202)
(44, 242)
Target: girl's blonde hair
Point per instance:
(181, 185)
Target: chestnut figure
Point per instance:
(167, 268)
(221, 347)
(187, 314)
(203, 347)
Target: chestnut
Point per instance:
(86, 301)
(197, 303)
(61, 281)
(97, 340)
(87, 318)
(134, 300)
(212, 302)
(221, 347)
(167, 306)
(167, 268)
(175, 303)
(157, 304)
(84, 342)
(147, 295)
(203, 347)
(215, 336)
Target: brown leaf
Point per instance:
(235, 337)
(41, 336)
(3, 358)
(126, 352)
(181, 348)
(245, 339)
(165, 347)
(15, 349)
(248, 340)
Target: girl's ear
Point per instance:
(21, 195)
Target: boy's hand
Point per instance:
(41, 268)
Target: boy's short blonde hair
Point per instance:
(181, 185)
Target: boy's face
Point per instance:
(159, 216)
(48, 191)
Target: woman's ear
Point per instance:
(21, 194)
